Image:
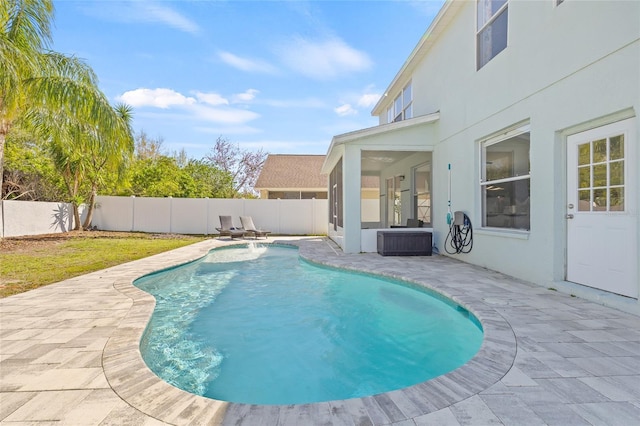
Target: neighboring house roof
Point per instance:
(281, 171)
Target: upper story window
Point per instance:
(402, 107)
(492, 29)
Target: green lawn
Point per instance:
(30, 263)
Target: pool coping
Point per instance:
(129, 376)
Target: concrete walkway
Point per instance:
(69, 355)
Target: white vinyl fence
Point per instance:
(168, 215)
(35, 218)
(201, 215)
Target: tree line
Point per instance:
(61, 139)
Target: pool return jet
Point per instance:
(460, 236)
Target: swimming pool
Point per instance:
(261, 326)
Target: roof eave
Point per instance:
(437, 25)
(339, 140)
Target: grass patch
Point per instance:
(29, 263)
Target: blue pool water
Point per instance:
(259, 325)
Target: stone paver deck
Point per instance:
(69, 355)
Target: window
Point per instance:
(505, 181)
(335, 196)
(402, 107)
(394, 202)
(407, 102)
(422, 193)
(492, 29)
(397, 107)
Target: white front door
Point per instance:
(602, 209)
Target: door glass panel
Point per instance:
(601, 182)
(616, 200)
(584, 154)
(600, 200)
(616, 173)
(584, 177)
(616, 148)
(600, 175)
(584, 203)
(600, 151)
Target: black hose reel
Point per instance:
(460, 237)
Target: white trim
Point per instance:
(384, 128)
(496, 138)
(341, 140)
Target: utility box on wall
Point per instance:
(404, 243)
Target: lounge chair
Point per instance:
(250, 228)
(227, 229)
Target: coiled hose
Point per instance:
(460, 237)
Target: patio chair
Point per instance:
(250, 228)
(227, 229)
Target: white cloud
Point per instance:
(245, 64)
(276, 146)
(245, 97)
(429, 8)
(163, 14)
(140, 11)
(294, 103)
(159, 98)
(212, 99)
(352, 102)
(368, 100)
(323, 59)
(344, 110)
(224, 115)
(229, 130)
(210, 107)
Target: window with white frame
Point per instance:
(394, 201)
(422, 193)
(402, 107)
(491, 36)
(505, 180)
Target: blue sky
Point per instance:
(282, 76)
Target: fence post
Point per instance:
(206, 229)
(133, 213)
(313, 216)
(170, 214)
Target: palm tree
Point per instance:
(25, 34)
(109, 155)
(36, 82)
(83, 151)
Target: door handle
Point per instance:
(569, 216)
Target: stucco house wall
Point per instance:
(566, 69)
(558, 74)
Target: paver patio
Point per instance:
(69, 355)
